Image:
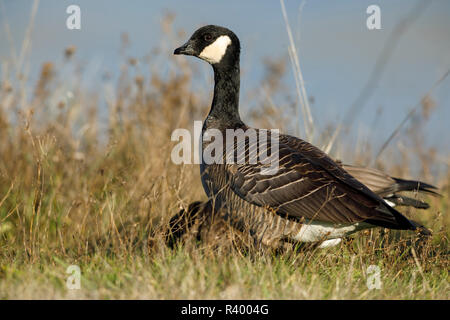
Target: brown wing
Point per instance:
(309, 184)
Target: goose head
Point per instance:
(216, 45)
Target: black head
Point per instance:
(214, 44)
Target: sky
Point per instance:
(336, 50)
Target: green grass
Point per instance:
(338, 273)
(137, 264)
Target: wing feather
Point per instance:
(309, 184)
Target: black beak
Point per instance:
(185, 49)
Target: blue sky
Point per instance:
(337, 51)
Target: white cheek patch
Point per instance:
(216, 50)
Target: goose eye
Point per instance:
(207, 37)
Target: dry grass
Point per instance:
(81, 185)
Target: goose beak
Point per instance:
(185, 49)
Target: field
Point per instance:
(86, 179)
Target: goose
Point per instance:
(310, 198)
(198, 217)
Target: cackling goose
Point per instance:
(199, 219)
(310, 198)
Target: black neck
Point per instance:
(225, 104)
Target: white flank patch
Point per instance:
(330, 243)
(319, 231)
(216, 50)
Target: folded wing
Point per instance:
(311, 185)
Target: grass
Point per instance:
(83, 186)
(201, 273)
